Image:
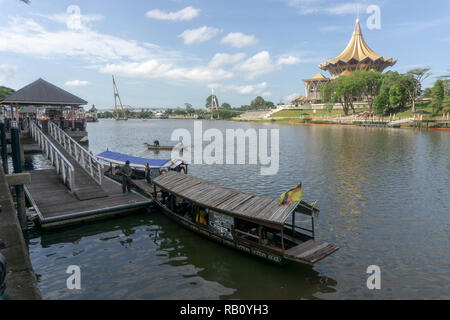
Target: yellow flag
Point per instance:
(292, 195)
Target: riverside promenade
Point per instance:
(21, 282)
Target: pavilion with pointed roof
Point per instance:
(42, 94)
(356, 56)
(313, 86)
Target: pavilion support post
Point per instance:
(17, 163)
(4, 146)
(73, 118)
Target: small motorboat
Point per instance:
(165, 148)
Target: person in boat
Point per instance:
(147, 173)
(156, 143)
(164, 196)
(126, 171)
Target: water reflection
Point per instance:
(161, 260)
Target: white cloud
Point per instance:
(155, 69)
(239, 40)
(73, 20)
(187, 13)
(199, 35)
(257, 65)
(25, 36)
(76, 83)
(247, 89)
(307, 7)
(289, 60)
(7, 72)
(105, 53)
(346, 8)
(221, 59)
(266, 94)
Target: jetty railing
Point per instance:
(63, 166)
(86, 160)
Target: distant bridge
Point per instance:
(133, 109)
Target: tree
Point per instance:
(394, 93)
(348, 90)
(344, 90)
(226, 106)
(418, 75)
(4, 92)
(189, 108)
(446, 83)
(437, 95)
(257, 103)
(371, 83)
(427, 93)
(269, 105)
(209, 100)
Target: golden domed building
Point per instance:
(356, 56)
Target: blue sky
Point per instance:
(167, 53)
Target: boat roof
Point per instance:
(138, 162)
(266, 211)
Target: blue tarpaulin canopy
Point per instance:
(120, 158)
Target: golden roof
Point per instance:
(319, 76)
(357, 49)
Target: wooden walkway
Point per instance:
(85, 187)
(57, 206)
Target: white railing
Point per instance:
(63, 166)
(87, 161)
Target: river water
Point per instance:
(384, 196)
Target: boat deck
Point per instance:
(310, 251)
(57, 206)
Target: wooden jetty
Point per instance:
(75, 190)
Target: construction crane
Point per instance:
(118, 111)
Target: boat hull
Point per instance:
(159, 148)
(264, 254)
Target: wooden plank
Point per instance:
(15, 179)
(56, 202)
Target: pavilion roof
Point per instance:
(41, 92)
(358, 50)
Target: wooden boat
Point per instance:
(249, 223)
(163, 148)
(157, 166)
